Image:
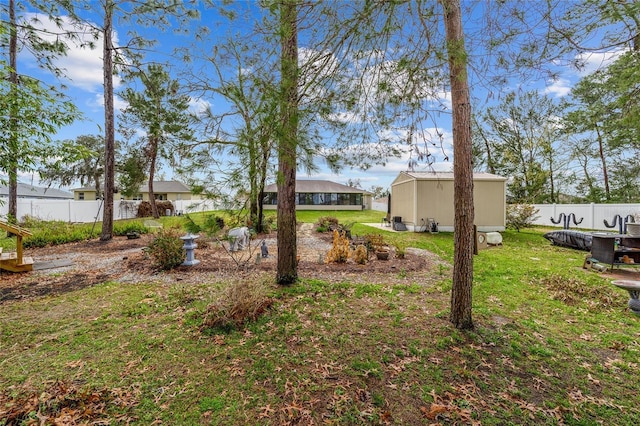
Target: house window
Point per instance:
(318, 199)
(270, 198)
(160, 197)
(80, 195)
(138, 197)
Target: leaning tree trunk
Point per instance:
(461, 292)
(109, 125)
(287, 268)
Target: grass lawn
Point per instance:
(553, 344)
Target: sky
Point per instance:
(83, 79)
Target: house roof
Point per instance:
(319, 186)
(30, 191)
(479, 176)
(158, 186)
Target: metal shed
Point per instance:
(417, 197)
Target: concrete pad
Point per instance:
(59, 263)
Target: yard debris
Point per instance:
(64, 402)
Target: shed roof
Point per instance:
(478, 176)
(30, 191)
(158, 186)
(320, 186)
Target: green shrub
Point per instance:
(46, 233)
(241, 303)
(39, 239)
(327, 223)
(401, 250)
(211, 225)
(124, 228)
(269, 224)
(521, 216)
(166, 249)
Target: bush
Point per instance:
(339, 253)
(374, 242)
(361, 255)
(242, 302)
(212, 225)
(521, 216)
(269, 224)
(144, 208)
(326, 223)
(46, 233)
(123, 228)
(166, 249)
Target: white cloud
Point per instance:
(595, 60)
(98, 101)
(81, 65)
(198, 106)
(558, 88)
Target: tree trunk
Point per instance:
(461, 292)
(603, 161)
(109, 124)
(153, 154)
(13, 115)
(287, 268)
(263, 177)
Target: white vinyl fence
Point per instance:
(592, 215)
(89, 211)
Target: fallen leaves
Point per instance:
(66, 403)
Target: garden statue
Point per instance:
(238, 238)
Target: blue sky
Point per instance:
(84, 82)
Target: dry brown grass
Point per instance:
(242, 302)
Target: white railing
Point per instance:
(89, 211)
(592, 215)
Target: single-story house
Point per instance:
(30, 191)
(321, 195)
(417, 197)
(171, 190)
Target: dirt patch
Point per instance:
(124, 260)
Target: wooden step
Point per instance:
(11, 263)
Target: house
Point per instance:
(321, 195)
(30, 191)
(163, 190)
(417, 197)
